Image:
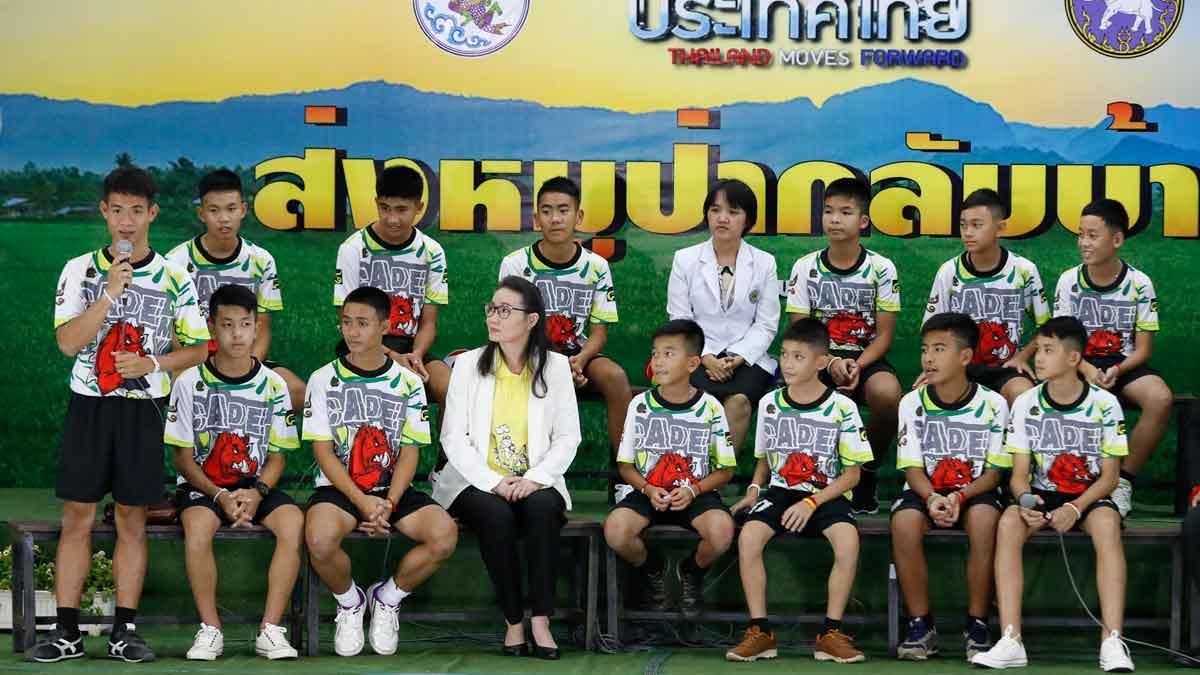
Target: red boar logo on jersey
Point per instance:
(671, 471)
(1103, 343)
(370, 457)
(230, 460)
(802, 468)
(995, 347)
(950, 473)
(1069, 474)
(401, 320)
(846, 328)
(560, 331)
(122, 337)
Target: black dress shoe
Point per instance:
(515, 650)
(547, 653)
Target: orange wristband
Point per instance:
(812, 503)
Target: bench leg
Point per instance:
(296, 618)
(613, 595)
(1193, 614)
(593, 583)
(24, 618)
(312, 610)
(893, 610)
(1176, 595)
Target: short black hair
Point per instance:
(1067, 329)
(692, 333)
(739, 195)
(373, 298)
(232, 295)
(854, 189)
(809, 331)
(130, 180)
(1112, 212)
(221, 180)
(962, 327)
(989, 198)
(560, 185)
(402, 182)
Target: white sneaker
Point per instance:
(385, 623)
(348, 636)
(1122, 495)
(1114, 655)
(209, 644)
(1008, 652)
(272, 643)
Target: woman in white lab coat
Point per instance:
(731, 289)
(510, 433)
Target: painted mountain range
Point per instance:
(864, 128)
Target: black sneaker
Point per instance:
(690, 590)
(864, 503)
(126, 645)
(56, 646)
(654, 590)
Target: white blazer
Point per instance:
(749, 326)
(553, 429)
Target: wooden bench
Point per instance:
(878, 528)
(27, 533)
(587, 536)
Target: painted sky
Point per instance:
(1024, 58)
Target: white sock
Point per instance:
(351, 598)
(390, 593)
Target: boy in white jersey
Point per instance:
(392, 255)
(1117, 305)
(222, 256)
(230, 422)
(366, 417)
(1067, 438)
(674, 484)
(951, 450)
(577, 288)
(996, 288)
(810, 444)
(856, 293)
(118, 311)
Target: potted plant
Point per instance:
(98, 593)
(43, 583)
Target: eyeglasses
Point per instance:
(504, 310)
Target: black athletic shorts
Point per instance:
(994, 377)
(401, 344)
(640, 504)
(1124, 379)
(1054, 500)
(879, 366)
(412, 500)
(776, 500)
(187, 497)
(909, 500)
(112, 444)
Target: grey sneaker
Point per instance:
(920, 643)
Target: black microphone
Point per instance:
(125, 248)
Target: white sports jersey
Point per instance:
(1067, 441)
(367, 416)
(230, 424)
(413, 274)
(576, 293)
(160, 305)
(1111, 314)
(676, 444)
(808, 446)
(847, 301)
(995, 299)
(250, 266)
(952, 444)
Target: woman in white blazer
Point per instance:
(511, 431)
(731, 289)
